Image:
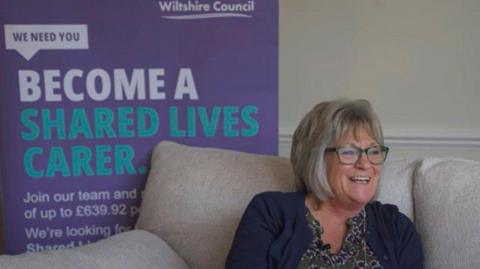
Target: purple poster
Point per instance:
(88, 88)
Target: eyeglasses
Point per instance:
(351, 154)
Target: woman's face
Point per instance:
(353, 185)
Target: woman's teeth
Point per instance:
(360, 180)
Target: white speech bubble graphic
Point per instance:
(28, 39)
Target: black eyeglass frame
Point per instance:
(384, 149)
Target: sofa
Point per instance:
(194, 198)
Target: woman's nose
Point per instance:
(363, 161)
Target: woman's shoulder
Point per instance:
(279, 201)
(387, 224)
(388, 215)
(279, 198)
(380, 207)
(386, 210)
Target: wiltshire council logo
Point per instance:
(191, 10)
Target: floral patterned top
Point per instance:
(354, 252)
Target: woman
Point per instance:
(337, 153)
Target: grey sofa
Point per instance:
(194, 198)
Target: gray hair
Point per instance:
(319, 128)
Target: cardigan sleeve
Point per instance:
(393, 237)
(410, 251)
(255, 234)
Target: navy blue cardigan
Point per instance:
(274, 234)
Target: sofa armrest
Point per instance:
(133, 249)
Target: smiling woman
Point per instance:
(337, 155)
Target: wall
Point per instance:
(417, 61)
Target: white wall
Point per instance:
(417, 61)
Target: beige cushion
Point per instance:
(447, 204)
(397, 183)
(194, 197)
(129, 250)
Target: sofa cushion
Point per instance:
(134, 249)
(447, 199)
(396, 185)
(194, 197)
